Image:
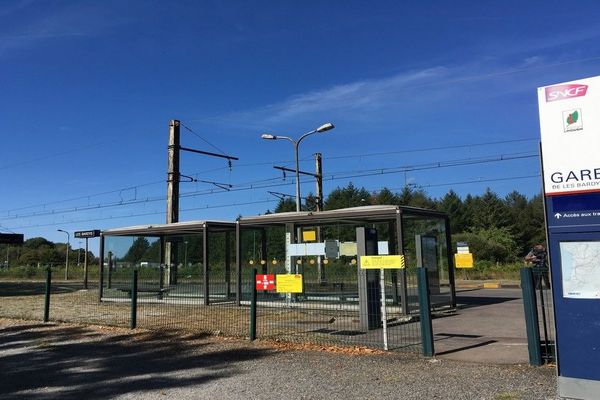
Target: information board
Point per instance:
(288, 283)
(463, 260)
(580, 263)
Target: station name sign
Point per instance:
(88, 234)
(11, 238)
(570, 127)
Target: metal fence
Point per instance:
(326, 313)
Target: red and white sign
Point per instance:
(562, 92)
(265, 282)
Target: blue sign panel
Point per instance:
(577, 303)
(581, 210)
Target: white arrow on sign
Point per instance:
(557, 215)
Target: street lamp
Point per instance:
(67, 261)
(323, 128)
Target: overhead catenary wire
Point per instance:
(263, 183)
(258, 202)
(146, 214)
(187, 128)
(363, 155)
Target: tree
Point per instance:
(349, 196)
(385, 197)
(286, 204)
(452, 205)
(492, 244)
(489, 211)
(137, 250)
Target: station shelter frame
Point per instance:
(168, 258)
(407, 230)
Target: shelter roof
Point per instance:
(176, 228)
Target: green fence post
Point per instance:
(47, 298)
(134, 285)
(253, 307)
(425, 312)
(531, 317)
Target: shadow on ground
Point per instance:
(54, 361)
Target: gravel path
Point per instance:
(73, 361)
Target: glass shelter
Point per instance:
(191, 260)
(323, 247)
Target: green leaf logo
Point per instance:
(572, 118)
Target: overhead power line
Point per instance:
(144, 214)
(423, 149)
(265, 183)
(262, 202)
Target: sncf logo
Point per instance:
(561, 92)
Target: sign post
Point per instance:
(382, 263)
(86, 235)
(570, 131)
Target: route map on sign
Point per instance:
(580, 269)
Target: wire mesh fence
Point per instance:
(325, 312)
(330, 313)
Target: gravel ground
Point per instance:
(64, 361)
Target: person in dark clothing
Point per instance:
(538, 259)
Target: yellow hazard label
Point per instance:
(463, 260)
(288, 283)
(379, 262)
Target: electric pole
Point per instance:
(173, 178)
(319, 180)
(173, 173)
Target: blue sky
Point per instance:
(88, 89)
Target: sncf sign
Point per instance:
(561, 92)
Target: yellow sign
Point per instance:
(379, 262)
(463, 260)
(309, 236)
(288, 283)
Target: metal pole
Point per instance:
(67, 263)
(134, 286)
(238, 264)
(101, 270)
(47, 298)
(425, 312)
(296, 145)
(85, 265)
(253, 307)
(110, 254)
(383, 310)
(205, 265)
(319, 177)
(531, 317)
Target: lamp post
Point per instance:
(67, 260)
(323, 128)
